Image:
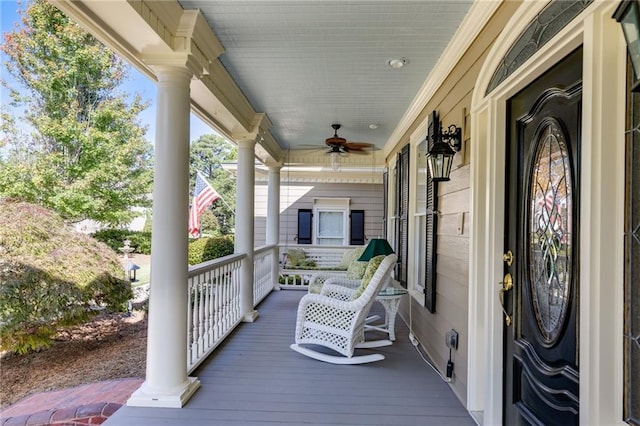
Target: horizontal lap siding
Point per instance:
(453, 100)
(367, 197)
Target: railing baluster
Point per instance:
(218, 304)
(208, 311)
(190, 355)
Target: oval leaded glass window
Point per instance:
(550, 209)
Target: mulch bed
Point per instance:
(111, 346)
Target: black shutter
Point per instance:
(357, 228)
(431, 224)
(304, 226)
(385, 194)
(402, 214)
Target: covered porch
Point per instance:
(254, 378)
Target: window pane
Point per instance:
(330, 227)
(550, 251)
(421, 178)
(330, 241)
(422, 250)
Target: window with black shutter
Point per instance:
(305, 230)
(402, 217)
(356, 237)
(431, 223)
(385, 201)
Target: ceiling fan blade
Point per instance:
(358, 145)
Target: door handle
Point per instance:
(508, 257)
(507, 284)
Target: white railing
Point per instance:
(213, 306)
(263, 274)
(213, 309)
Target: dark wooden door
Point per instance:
(541, 360)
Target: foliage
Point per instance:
(209, 248)
(208, 152)
(147, 225)
(86, 157)
(114, 238)
(50, 276)
(200, 250)
(209, 223)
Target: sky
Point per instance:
(135, 83)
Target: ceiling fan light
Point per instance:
(335, 161)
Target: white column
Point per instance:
(602, 196)
(167, 384)
(244, 224)
(273, 220)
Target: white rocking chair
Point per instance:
(336, 320)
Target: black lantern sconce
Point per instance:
(628, 15)
(445, 146)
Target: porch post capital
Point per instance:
(260, 126)
(173, 62)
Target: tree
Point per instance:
(86, 157)
(51, 276)
(208, 152)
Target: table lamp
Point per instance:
(376, 247)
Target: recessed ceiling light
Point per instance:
(373, 126)
(397, 62)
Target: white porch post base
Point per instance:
(145, 397)
(250, 316)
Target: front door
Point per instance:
(540, 290)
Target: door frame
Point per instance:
(602, 210)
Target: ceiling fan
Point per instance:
(340, 145)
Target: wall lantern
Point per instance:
(445, 146)
(628, 15)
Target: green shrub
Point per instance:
(51, 276)
(114, 238)
(208, 248)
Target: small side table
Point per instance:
(390, 299)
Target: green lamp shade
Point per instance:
(376, 247)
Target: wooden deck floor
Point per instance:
(254, 378)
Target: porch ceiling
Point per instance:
(285, 70)
(308, 64)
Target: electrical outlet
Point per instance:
(451, 339)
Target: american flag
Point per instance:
(203, 196)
